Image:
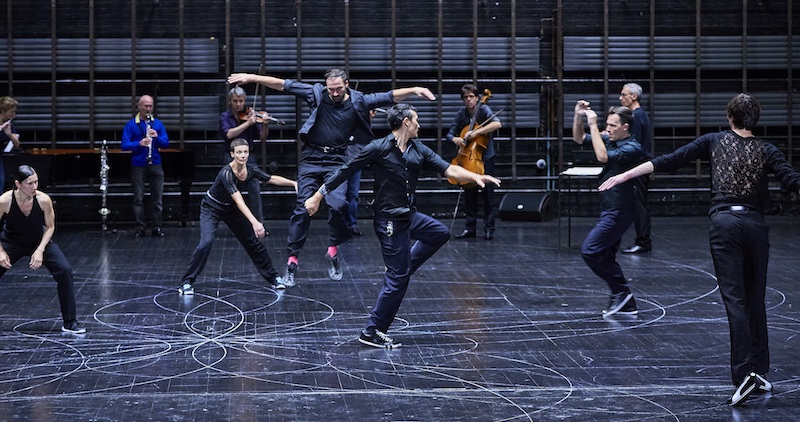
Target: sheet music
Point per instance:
(9, 146)
(582, 171)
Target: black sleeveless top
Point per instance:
(23, 230)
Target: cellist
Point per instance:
(476, 123)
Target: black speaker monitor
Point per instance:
(529, 206)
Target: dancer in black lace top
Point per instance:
(738, 235)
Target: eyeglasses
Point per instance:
(624, 94)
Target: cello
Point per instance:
(470, 155)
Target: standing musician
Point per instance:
(8, 111)
(145, 135)
(30, 222)
(339, 115)
(408, 237)
(240, 121)
(476, 123)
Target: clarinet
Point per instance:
(149, 119)
(104, 168)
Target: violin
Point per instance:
(470, 156)
(261, 116)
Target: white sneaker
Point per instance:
(747, 386)
(186, 289)
(334, 267)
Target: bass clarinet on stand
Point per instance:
(104, 168)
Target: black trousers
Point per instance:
(211, 214)
(641, 220)
(471, 203)
(599, 249)
(310, 176)
(154, 176)
(57, 264)
(402, 258)
(739, 242)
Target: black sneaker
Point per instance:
(618, 304)
(73, 327)
(288, 276)
(334, 267)
(747, 386)
(378, 339)
(629, 308)
(764, 385)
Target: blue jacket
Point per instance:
(134, 131)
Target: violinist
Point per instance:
(8, 110)
(476, 123)
(240, 121)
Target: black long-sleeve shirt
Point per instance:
(396, 173)
(739, 168)
(622, 156)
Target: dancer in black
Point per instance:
(339, 116)
(738, 235)
(30, 222)
(224, 202)
(397, 160)
(617, 150)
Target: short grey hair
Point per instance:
(635, 89)
(236, 91)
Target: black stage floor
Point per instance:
(502, 330)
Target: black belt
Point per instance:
(329, 150)
(735, 209)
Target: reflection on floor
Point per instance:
(501, 330)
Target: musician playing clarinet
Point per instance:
(144, 135)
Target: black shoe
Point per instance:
(139, 233)
(764, 386)
(73, 327)
(622, 304)
(157, 232)
(356, 232)
(288, 276)
(466, 234)
(747, 387)
(637, 249)
(377, 339)
(334, 267)
(489, 236)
